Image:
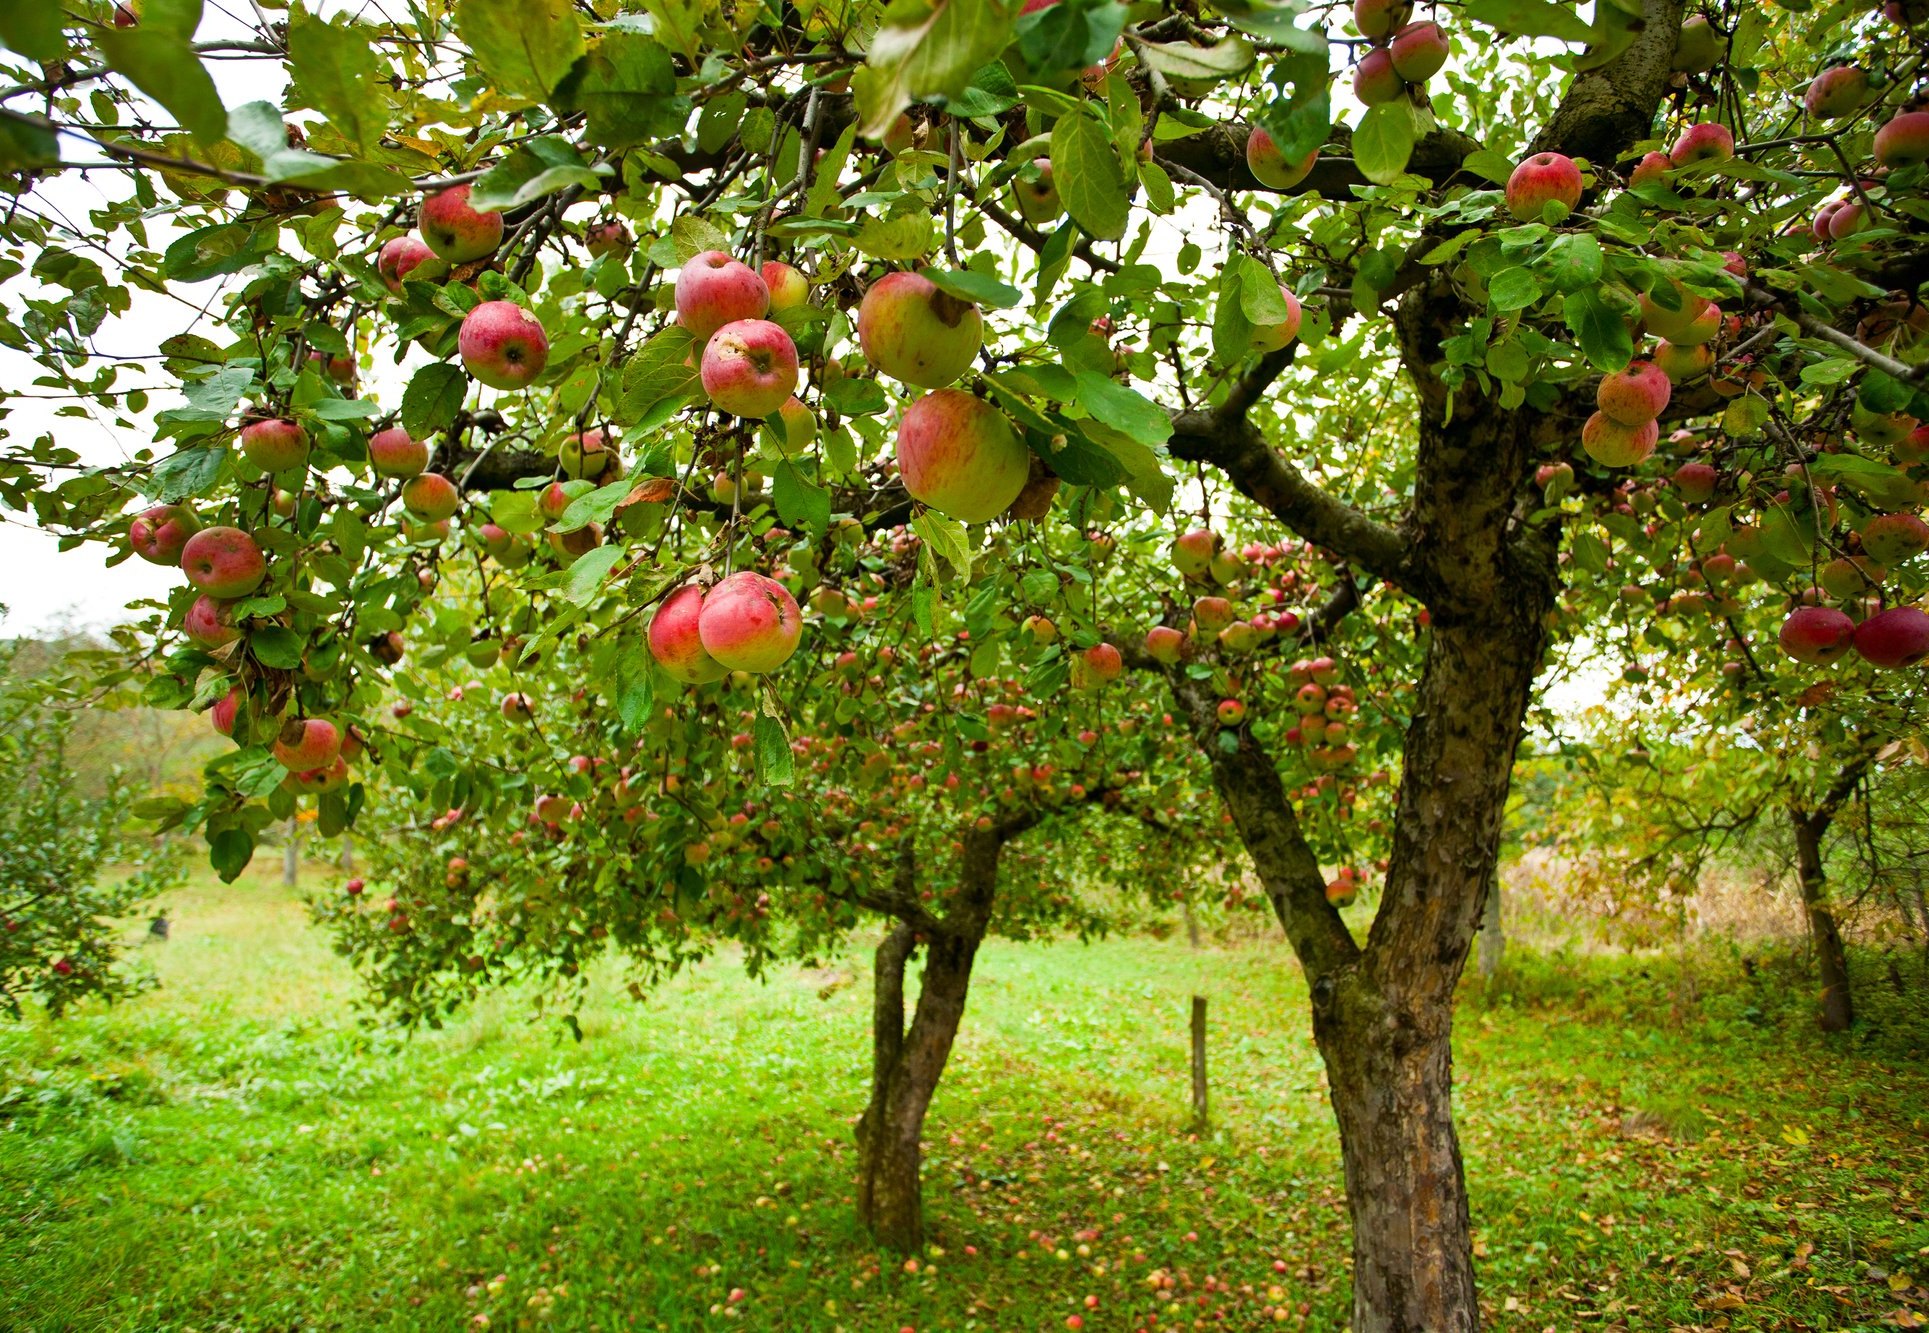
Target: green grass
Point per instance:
(1650, 1144)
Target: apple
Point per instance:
(1041, 629)
(225, 710)
(1698, 47)
(676, 641)
(1212, 614)
(275, 446)
(1542, 179)
(1681, 364)
(1374, 81)
(1097, 666)
(790, 431)
(306, 744)
(1270, 167)
(610, 237)
(399, 258)
(1696, 482)
(713, 290)
(1851, 576)
(503, 345)
(1036, 195)
(1708, 141)
(223, 562)
(455, 231)
(1890, 539)
(1380, 18)
(1892, 639)
(1276, 336)
(750, 623)
(208, 623)
(1612, 444)
(430, 497)
(588, 455)
(1881, 430)
(1192, 552)
(917, 334)
(1904, 140)
(1696, 321)
(1418, 51)
(1165, 644)
(1817, 635)
(788, 288)
(125, 16)
(1838, 91)
(1635, 395)
(395, 453)
(157, 535)
(960, 455)
(749, 367)
(1651, 167)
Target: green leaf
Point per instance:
(633, 685)
(1302, 125)
(210, 252)
(801, 502)
(947, 538)
(229, 852)
(657, 381)
(1599, 329)
(776, 766)
(187, 473)
(626, 86)
(1573, 261)
(433, 398)
(1531, 18)
(981, 288)
(1496, 167)
(27, 145)
(1260, 299)
(526, 47)
(33, 29)
(905, 237)
(825, 192)
(542, 166)
(692, 236)
(335, 71)
(1226, 59)
(1123, 408)
(991, 92)
(276, 646)
(1513, 289)
(925, 50)
(587, 574)
(594, 506)
(157, 56)
(1085, 166)
(1383, 143)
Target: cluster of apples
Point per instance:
(1402, 54)
(748, 622)
(1326, 708)
(748, 365)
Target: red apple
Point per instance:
(399, 258)
(1904, 140)
(1276, 336)
(1837, 91)
(788, 288)
(1892, 639)
(961, 456)
(589, 455)
(1817, 635)
(1165, 644)
(158, 534)
(1612, 444)
(1192, 552)
(394, 453)
(750, 623)
(223, 562)
(306, 744)
(676, 641)
(713, 290)
(208, 623)
(1633, 396)
(1696, 482)
(610, 237)
(749, 367)
(430, 497)
(1709, 141)
(917, 334)
(1418, 51)
(1097, 666)
(225, 709)
(1542, 179)
(1380, 18)
(798, 429)
(455, 231)
(1890, 539)
(1374, 81)
(503, 345)
(1681, 364)
(275, 446)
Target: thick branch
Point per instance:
(1610, 108)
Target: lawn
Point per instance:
(1650, 1143)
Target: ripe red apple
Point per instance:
(1696, 482)
(1651, 167)
(750, 623)
(503, 345)
(1212, 614)
(713, 290)
(125, 17)
(1681, 364)
(1192, 552)
(1276, 336)
(1418, 51)
(589, 455)
(610, 237)
(1270, 167)
(917, 334)
(1696, 321)
(1380, 18)
(1817, 635)
(1709, 141)
(1374, 81)
(1635, 395)
(157, 535)
(960, 455)
(1036, 195)
(1837, 91)
(275, 445)
(1612, 444)
(1892, 639)
(1165, 644)
(1097, 666)
(399, 258)
(676, 642)
(788, 288)
(1542, 179)
(393, 453)
(455, 231)
(430, 497)
(209, 624)
(517, 707)
(223, 562)
(225, 709)
(1890, 539)
(749, 368)
(1904, 140)
(305, 744)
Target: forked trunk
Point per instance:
(1837, 1008)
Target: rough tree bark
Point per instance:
(1836, 1012)
(1493, 934)
(907, 1063)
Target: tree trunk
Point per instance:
(906, 1064)
(1837, 1010)
(1201, 1111)
(1493, 935)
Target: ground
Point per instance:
(1651, 1143)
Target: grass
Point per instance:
(1650, 1144)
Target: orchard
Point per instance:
(674, 475)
